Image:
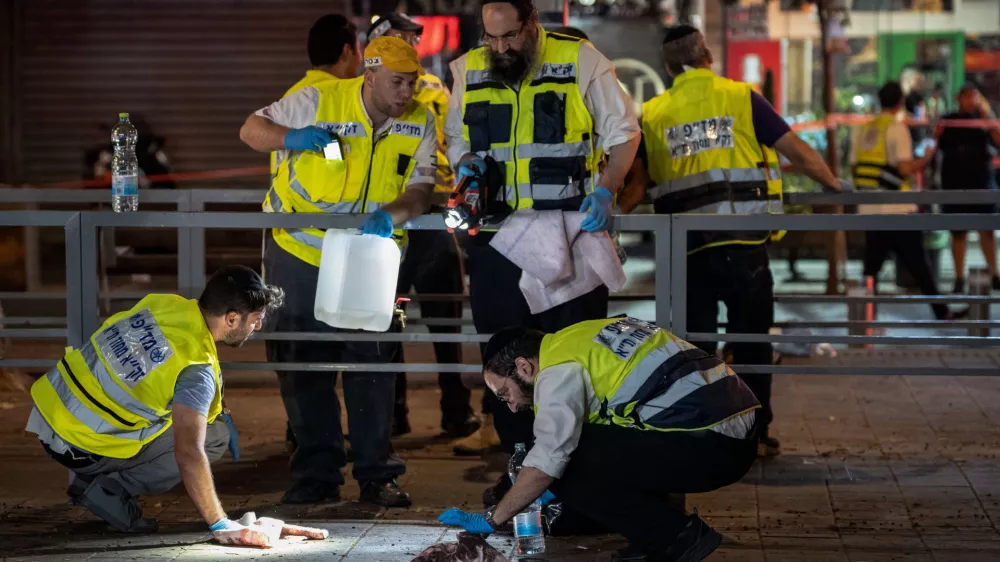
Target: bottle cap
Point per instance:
(123, 115)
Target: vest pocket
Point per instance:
(550, 118)
(402, 164)
(488, 124)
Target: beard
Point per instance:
(512, 67)
(237, 336)
(527, 389)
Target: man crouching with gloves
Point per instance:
(625, 413)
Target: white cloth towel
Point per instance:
(559, 261)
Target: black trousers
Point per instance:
(740, 277)
(310, 397)
(497, 303)
(620, 477)
(431, 266)
(908, 247)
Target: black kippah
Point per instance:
(678, 31)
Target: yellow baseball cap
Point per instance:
(393, 53)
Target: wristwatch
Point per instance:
(489, 518)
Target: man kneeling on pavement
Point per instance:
(625, 414)
(138, 408)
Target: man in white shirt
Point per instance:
(626, 413)
(882, 159)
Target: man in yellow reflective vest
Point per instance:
(139, 406)
(532, 102)
(625, 414)
(709, 147)
(882, 158)
(431, 265)
(334, 53)
(355, 146)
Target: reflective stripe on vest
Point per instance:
(541, 133)
(704, 156)
(433, 94)
(374, 170)
(648, 379)
(114, 395)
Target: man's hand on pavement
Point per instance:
(234, 436)
(471, 522)
(379, 224)
(307, 138)
(597, 205)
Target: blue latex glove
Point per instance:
(379, 224)
(234, 436)
(307, 138)
(473, 167)
(471, 522)
(546, 498)
(597, 205)
(225, 524)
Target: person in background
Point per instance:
(139, 407)
(710, 146)
(431, 264)
(347, 114)
(966, 164)
(532, 101)
(334, 53)
(882, 158)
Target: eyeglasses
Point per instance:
(506, 38)
(503, 394)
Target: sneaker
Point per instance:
(694, 543)
(479, 442)
(959, 288)
(629, 554)
(768, 446)
(311, 491)
(386, 494)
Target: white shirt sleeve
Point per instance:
(425, 170)
(610, 107)
(457, 145)
(295, 111)
(561, 397)
(899, 144)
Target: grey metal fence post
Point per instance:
(678, 276)
(89, 279)
(197, 250)
(75, 329)
(184, 281)
(663, 282)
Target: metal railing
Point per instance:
(670, 253)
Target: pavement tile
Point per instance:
(884, 556)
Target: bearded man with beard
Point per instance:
(138, 407)
(533, 102)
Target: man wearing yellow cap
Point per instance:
(355, 146)
(432, 263)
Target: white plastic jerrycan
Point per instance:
(357, 281)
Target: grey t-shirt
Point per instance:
(195, 388)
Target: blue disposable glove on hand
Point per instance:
(546, 498)
(225, 524)
(307, 138)
(471, 522)
(597, 205)
(234, 436)
(474, 167)
(379, 224)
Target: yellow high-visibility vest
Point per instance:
(871, 169)
(704, 156)
(312, 77)
(434, 94)
(113, 396)
(624, 356)
(541, 134)
(372, 172)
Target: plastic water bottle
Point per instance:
(527, 524)
(124, 167)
